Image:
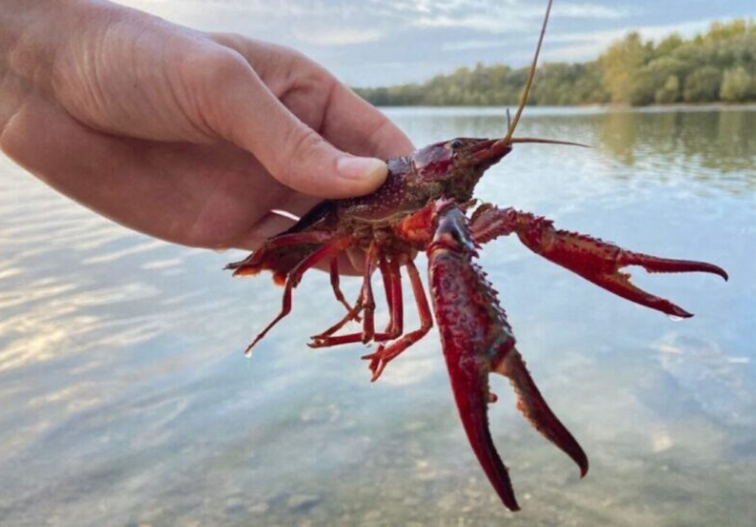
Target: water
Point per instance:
(125, 399)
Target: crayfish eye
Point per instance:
(456, 144)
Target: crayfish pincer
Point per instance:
(426, 204)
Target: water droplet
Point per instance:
(248, 353)
(674, 318)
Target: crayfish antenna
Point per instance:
(531, 76)
(538, 140)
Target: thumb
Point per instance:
(295, 154)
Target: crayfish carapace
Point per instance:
(426, 204)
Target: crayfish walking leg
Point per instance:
(335, 283)
(295, 276)
(385, 354)
(392, 283)
(366, 303)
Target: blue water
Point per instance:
(125, 399)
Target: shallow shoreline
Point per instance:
(750, 106)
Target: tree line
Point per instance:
(716, 66)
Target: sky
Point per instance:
(385, 42)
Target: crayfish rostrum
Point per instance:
(426, 204)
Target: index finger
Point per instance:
(347, 121)
(352, 124)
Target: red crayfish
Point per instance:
(426, 204)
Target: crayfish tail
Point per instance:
(280, 261)
(245, 271)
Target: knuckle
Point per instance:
(302, 150)
(296, 58)
(207, 72)
(306, 73)
(226, 38)
(318, 78)
(216, 67)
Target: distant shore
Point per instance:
(717, 67)
(749, 106)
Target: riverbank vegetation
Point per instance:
(716, 66)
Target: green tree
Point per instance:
(719, 64)
(620, 64)
(722, 31)
(669, 44)
(642, 88)
(670, 92)
(737, 85)
(703, 85)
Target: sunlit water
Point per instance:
(125, 399)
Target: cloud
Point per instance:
(585, 45)
(490, 16)
(476, 22)
(590, 11)
(588, 45)
(430, 36)
(340, 37)
(501, 17)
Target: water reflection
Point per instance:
(716, 147)
(125, 400)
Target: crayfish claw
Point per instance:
(535, 409)
(595, 260)
(653, 264)
(619, 284)
(465, 304)
(477, 340)
(601, 262)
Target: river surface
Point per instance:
(125, 399)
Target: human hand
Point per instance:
(190, 137)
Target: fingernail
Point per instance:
(361, 168)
